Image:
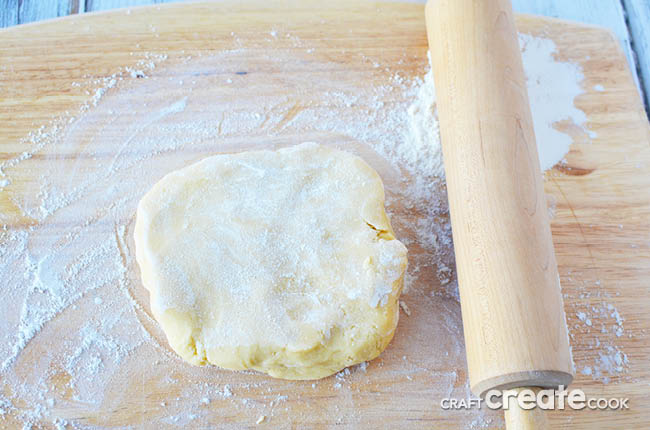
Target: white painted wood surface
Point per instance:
(29, 11)
(94, 5)
(638, 16)
(8, 13)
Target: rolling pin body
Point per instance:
(513, 316)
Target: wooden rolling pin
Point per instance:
(513, 316)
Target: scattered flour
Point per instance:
(84, 275)
(604, 322)
(421, 149)
(561, 82)
(226, 391)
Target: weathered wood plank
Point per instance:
(94, 5)
(38, 10)
(608, 14)
(8, 13)
(638, 16)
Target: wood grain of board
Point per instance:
(606, 13)
(600, 228)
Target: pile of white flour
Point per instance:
(74, 267)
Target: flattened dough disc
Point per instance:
(280, 261)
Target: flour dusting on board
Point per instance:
(562, 83)
(79, 336)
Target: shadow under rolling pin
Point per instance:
(513, 316)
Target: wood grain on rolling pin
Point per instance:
(513, 316)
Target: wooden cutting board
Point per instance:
(601, 226)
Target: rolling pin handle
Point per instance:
(517, 418)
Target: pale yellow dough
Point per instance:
(280, 261)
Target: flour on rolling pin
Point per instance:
(59, 278)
